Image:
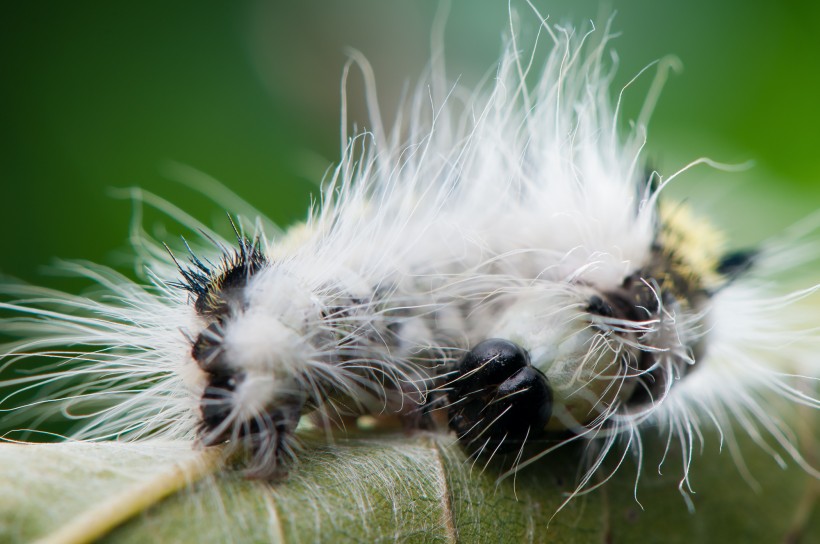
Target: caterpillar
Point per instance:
(503, 256)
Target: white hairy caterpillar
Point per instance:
(397, 276)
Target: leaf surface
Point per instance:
(400, 489)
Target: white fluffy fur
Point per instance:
(514, 201)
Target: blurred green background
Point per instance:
(97, 95)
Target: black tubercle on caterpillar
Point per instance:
(642, 298)
(216, 404)
(215, 285)
(736, 263)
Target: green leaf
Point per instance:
(407, 489)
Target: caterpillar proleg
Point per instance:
(502, 259)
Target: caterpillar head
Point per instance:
(552, 365)
(597, 355)
(276, 341)
(238, 348)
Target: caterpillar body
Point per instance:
(500, 256)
